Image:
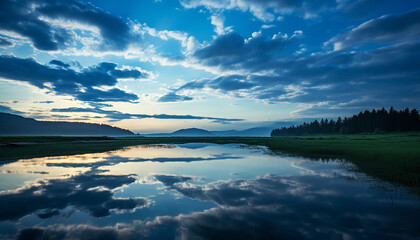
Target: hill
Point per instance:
(188, 132)
(15, 125)
(251, 132)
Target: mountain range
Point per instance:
(15, 125)
(197, 132)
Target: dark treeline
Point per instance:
(375, 121)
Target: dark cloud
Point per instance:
(19, 17)
(5, 43)
(59, 63)
(27, 19)
(113, 95)
(384, 74)
(126, 73)
(48, 214)
(224, 83)
(380, 76)
(234, 52)
(276, 207)
(170, 180)
(359, 8)
(385, 30)
(116, 115)
(230, 83)
(268, 207)
(173, 97)
(6, 109)
(81, 192)
(66, 81)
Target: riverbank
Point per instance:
(391, 157)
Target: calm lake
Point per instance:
(199, 191)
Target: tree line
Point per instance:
(375, 121)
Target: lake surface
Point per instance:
(199, 191)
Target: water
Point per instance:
(198, 191)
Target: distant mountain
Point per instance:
(189, 132)
(15, 125)
(251, 132)
(197, 132)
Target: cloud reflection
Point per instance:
(267, 207)
(90, 192)
(114, 160)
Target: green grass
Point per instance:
(390, 157)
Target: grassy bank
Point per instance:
(391, 157)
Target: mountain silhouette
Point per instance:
(192, 132)
(197, 132)
(15, 125)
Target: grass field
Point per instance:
(390, 157)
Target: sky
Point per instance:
(161, 65)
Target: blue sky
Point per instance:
(156, 65)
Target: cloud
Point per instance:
(224, 83)
(90, 192)
(359, 8)
(116, 115)
(384, 30)
(257, 68)
(219, 28)
(31, 19)
(5, 42)
(6, 109)
(268, 207)
(60, 79)
(247, 208)
(232, 52)
(173, 97)
(170, 180)
(59, 63)
(265, 10)
(267, 26)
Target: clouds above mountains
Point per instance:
(319, 55)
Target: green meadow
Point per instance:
(394, 158)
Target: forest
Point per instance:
(375, 121)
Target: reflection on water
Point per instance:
(196, 191)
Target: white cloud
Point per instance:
(267, 10)
(218, 22)
(265, 26)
